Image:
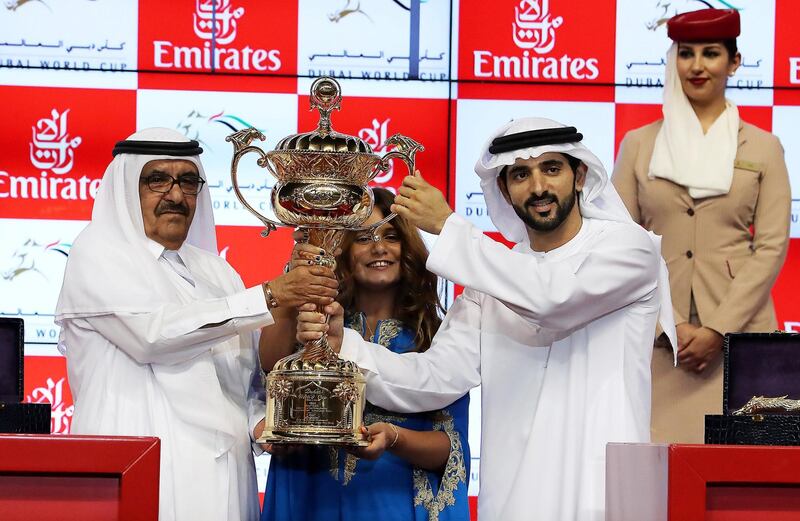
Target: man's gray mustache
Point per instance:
(172, 208)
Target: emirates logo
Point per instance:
(53, 393)
(533, 28)
(51, 147)
(534, 33)
(376, 136)
(216, 20)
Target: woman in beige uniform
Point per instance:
(717, 190)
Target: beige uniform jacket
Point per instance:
(725, 251)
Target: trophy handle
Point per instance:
(406, 150)
(241, 145)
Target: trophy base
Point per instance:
(340, 441)
(314, 403)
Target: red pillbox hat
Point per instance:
(704, 25)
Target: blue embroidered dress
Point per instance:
(327, 483)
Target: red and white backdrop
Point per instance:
(78, 75)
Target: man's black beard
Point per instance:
(562, 211)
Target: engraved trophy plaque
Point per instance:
(313, 396)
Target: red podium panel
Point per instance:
(702, 482)
(78, 477)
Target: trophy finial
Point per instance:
(326, 96)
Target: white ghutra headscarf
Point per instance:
(110, 269)
(598, 199)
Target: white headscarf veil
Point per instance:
(109, 268)
(598, 199)
(683, 154)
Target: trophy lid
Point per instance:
(326, 95)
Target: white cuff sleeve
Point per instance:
(248, 303)
(355, 350)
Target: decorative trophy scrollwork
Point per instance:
(313, 396)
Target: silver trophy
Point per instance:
(313, 396)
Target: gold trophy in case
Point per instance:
(313, 396)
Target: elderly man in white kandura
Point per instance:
(160, 334)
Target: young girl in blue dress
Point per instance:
(417, 465)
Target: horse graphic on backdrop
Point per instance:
(349, 9)
(29, 257)
(669, 8)
(195, 125)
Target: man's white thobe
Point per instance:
(560, 343)
(164, 374)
